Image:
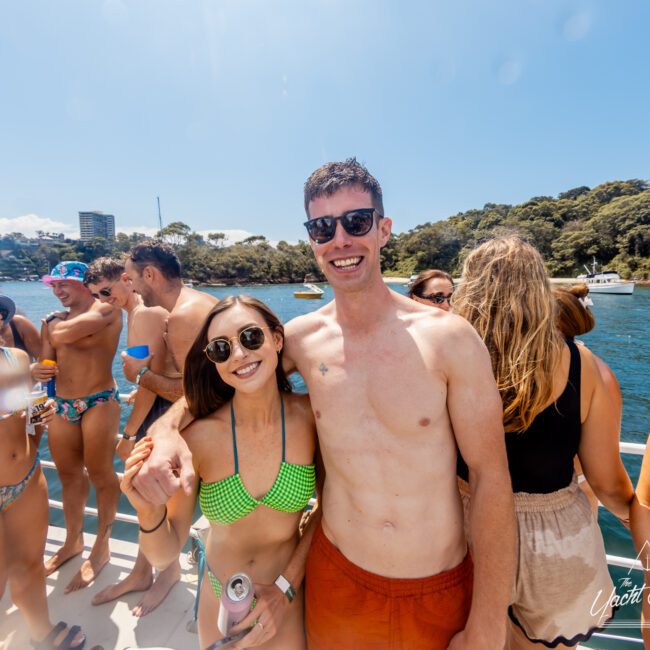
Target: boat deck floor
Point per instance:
(110, 626)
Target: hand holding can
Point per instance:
(236, 600)
(51, 385)
(37, 406)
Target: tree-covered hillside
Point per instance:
(203, 260)
(610, 222)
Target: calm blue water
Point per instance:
(621, 338)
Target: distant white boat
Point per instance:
(313, 293)
(606, 281)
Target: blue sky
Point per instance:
(223, 108)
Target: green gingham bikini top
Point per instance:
(227, 501)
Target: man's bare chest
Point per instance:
(383, 387)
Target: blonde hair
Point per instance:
(505, 294)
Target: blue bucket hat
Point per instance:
(66, 271)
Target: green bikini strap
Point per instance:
(234, 434)
(234, 438)
(283, 436)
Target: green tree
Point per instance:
(216, 239)
(254, 239)
(175, 233)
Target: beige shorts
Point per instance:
(562, 582)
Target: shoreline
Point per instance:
(388, 279)
(397, 280)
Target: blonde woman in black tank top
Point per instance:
(555, 405)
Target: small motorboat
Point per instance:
(606, 281)
(313, 293)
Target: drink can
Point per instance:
(51, 385)
(236, 599)
(37, 401)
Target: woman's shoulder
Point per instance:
(23, 323)
(19, 319)
(208, 428)
(299, 415)
(596, 367)
(587, 360)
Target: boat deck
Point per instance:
(110, 626)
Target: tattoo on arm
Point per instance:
(323, 369)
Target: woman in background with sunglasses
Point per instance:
(433, 287)
(253, 444)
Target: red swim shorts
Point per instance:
(348, 608)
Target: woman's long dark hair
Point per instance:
(205, 390)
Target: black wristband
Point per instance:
(157, 526)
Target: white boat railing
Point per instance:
(616, 637)
(119, 516)
(632, 448)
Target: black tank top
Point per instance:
(541, 457)
(18, 339)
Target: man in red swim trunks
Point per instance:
(396, 388)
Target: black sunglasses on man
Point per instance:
(355, 222)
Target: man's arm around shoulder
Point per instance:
(476, 414)
(72, 329)
(169, 467)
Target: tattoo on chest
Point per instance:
(323, 369)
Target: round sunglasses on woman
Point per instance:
(218, 349)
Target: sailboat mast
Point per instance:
(159, 215)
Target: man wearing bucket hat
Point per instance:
(17, 331)
(82, 340)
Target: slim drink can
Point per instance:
(236, 599)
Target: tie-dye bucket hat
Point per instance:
(66, 271)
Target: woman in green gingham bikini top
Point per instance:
(227, 501)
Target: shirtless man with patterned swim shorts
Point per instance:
(83, 341)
